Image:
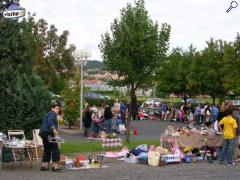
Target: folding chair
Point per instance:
(17, 133)
(37, 141)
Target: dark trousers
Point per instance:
(123, 114)
(51, 150)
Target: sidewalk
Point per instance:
(66, 131)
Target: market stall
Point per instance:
(192, 140)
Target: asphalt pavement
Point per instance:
(148, 130)
(118, 170)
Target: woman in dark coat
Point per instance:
(108, 120)
(87, 121)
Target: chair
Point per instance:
(17, 133)
(37, 141)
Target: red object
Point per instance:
(154, 118)
(141, 116)
(135, 131)
(81, 158)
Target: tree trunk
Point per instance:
(128, 124)
(184, 97)
(221, 99)
(214, 99)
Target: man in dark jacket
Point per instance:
(87, 121)
(108, 119)
(49, 129)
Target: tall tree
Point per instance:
(232, 65)
(24, 100)
(212, 71)
(173, 76)
(134, 50)
(54, 61)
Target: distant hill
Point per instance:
(94, 65)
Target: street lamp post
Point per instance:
(81, 60)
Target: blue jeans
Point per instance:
(213, 118)
(96, 128)
(227, 150)
(108, 126)
(198, 118)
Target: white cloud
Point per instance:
(192, 21)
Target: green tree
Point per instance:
(54, 62)
(174, 73)
(72, 102)
(24, 100)
(210, 70)
(232, 65)
(134, 50)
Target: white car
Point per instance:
(154, 101)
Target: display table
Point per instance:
(21, 150)
(1, 154)
(108, 142)
(112, 142)
(193, 140)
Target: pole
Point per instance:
(154, 91)
(81, 99)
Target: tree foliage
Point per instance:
(212, 71)
(23, 98)
(174, 73)
(134, 49)
(72, 102)
(54, 61)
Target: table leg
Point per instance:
(21, 156)
(1, 157)
(31, 157)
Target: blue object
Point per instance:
(187, 159)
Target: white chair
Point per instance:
(17, 133)
(37, 141)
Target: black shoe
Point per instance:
(44, 168)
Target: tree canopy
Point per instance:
(134, 49)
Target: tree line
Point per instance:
(212, 71)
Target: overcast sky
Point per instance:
(192, 21)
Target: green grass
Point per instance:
(85, 146)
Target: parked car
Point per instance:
(234, 102)
(154, 101)
(191, 101)
(93, 95)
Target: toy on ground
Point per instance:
(171, 158)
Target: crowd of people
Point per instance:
(104, 118)
(224, 118)
(185, 114)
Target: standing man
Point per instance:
(214, 113)
(49, 129)
(123, 110)
(229, 134)
(236, 154)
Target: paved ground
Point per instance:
(119, 170)
(148, 130)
